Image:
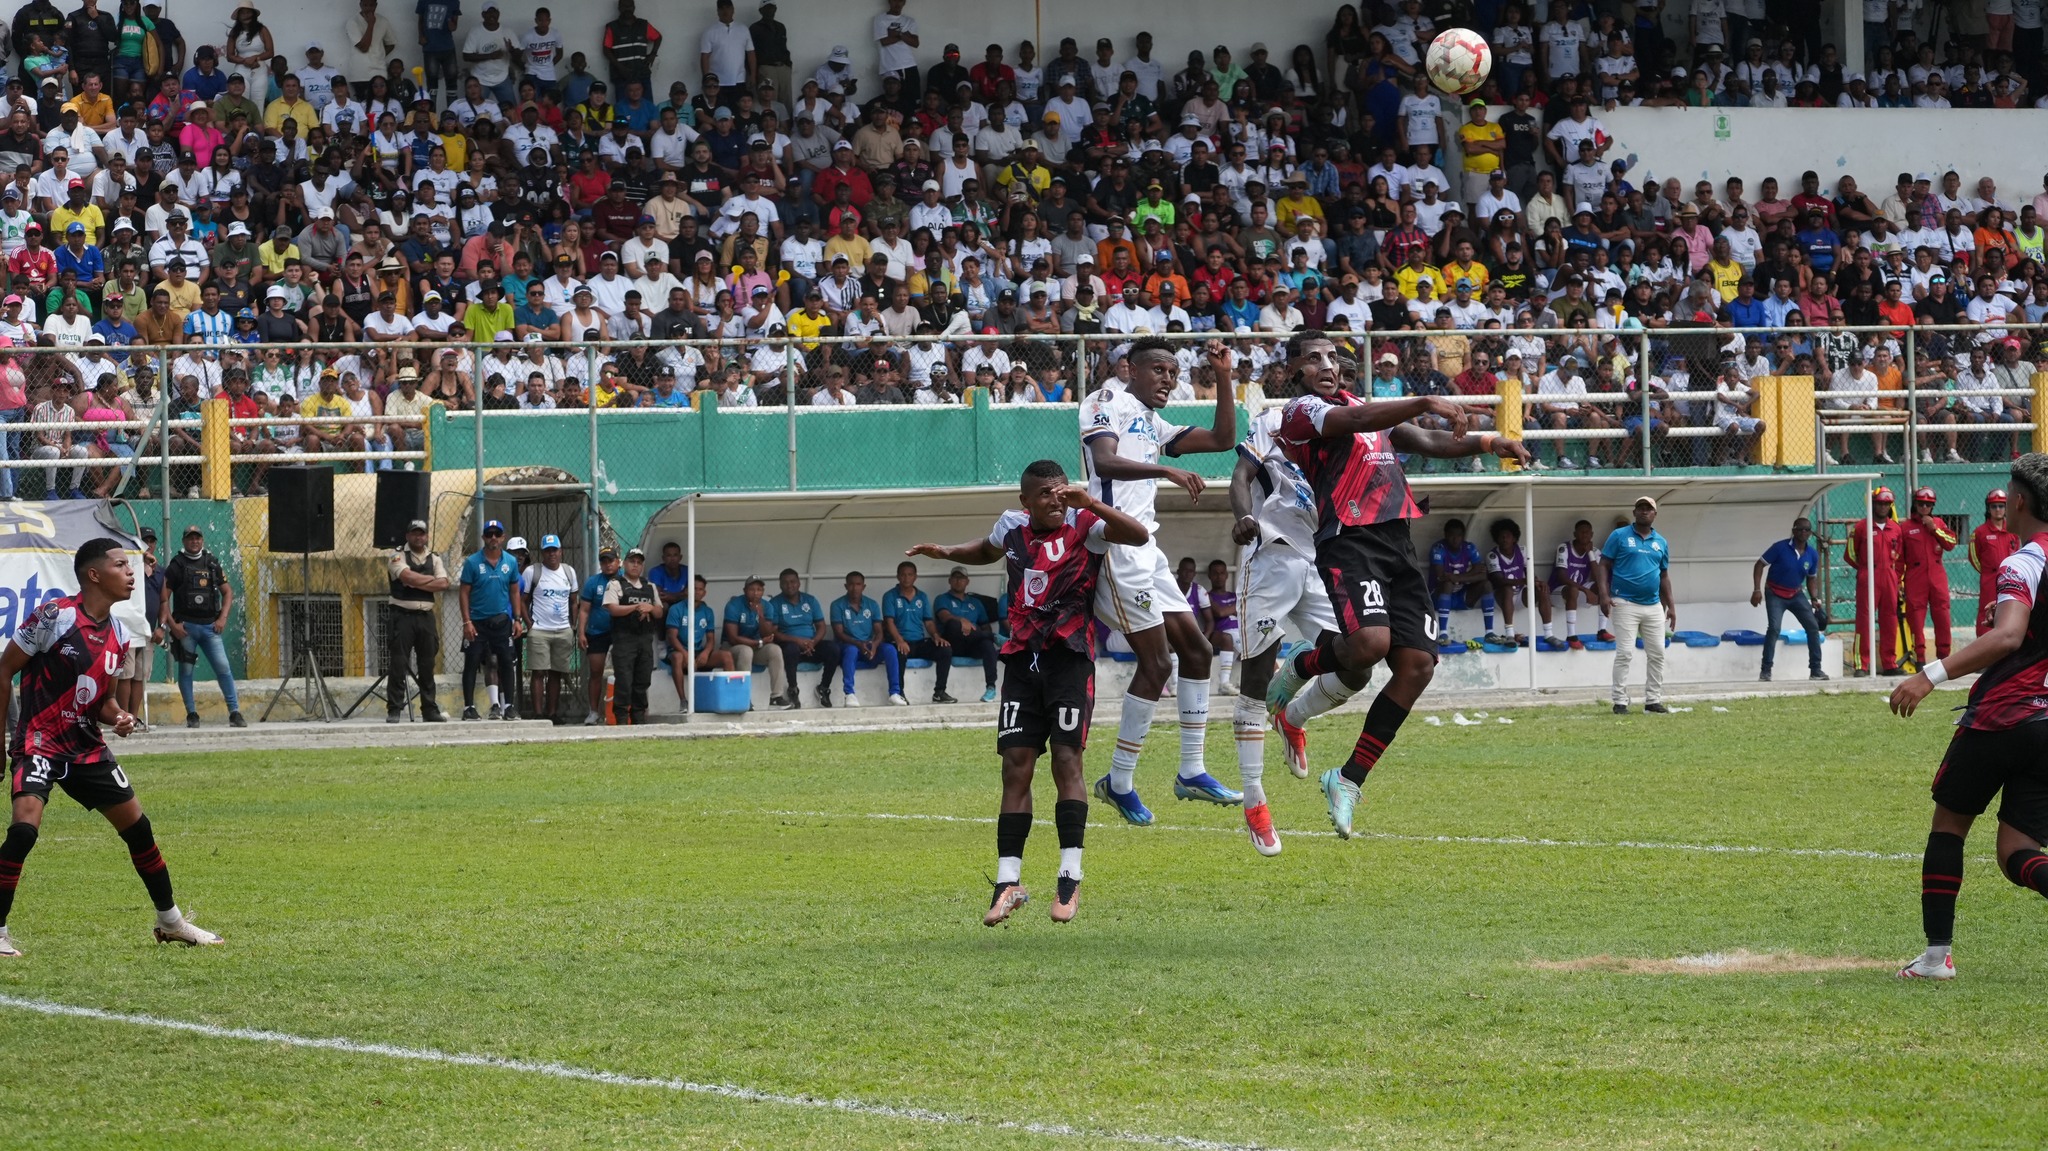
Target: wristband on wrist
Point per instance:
(1936, 673)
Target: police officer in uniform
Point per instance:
(635, 609)
(412, 627)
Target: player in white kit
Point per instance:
(1123, 435)
(1283, 596)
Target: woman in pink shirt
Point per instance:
(13, 410)
(199, 136)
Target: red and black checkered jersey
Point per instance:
(1357, 478)
(2014, 690)
(72, 660)
(1052, 580)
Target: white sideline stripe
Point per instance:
(1482, 840)
(618, 1079)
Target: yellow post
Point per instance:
(435, 412)
(217, 474)
(1796, 421)
(2040, 412)
(1507, 418)
(1766, 408)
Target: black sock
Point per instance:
(2028, 868)
(1382, 722)
(21, 839)
(1012, 829)
(1941, 877)
(149, 863)
(1070, 820)
(1318, 659)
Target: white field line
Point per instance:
(618, 1079)
(1482, 840)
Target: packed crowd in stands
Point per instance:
(227, 190)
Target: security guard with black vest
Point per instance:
(412, 628)
(195, 606)
(635, 608)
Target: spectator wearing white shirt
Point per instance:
(726, 50)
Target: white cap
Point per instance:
(839, 54)
(276, 292)
(323, 213)
(238, 228)
(516, 543)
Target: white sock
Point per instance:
(1550, 629)
(1009, 868)
(1248, 724)
(170, 916)
(1571, 621)
(1325, 693)
(1070, 862)
(1605, 623)
(1194, 726)
(1511, 629)
(1936, 952)
(493, 688)
(1225, 660)
(1130, 740)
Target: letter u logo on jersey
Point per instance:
(1053, 549)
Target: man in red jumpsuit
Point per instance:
(1989, 546)
(1884, 546)
(1925, 542)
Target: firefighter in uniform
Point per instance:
(1883, 545)
(413, 625)
(1924, 544)
(1989, 545)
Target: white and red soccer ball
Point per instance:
(1459, 60)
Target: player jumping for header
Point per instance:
(66, 655)
(2001, 742)
(1054, 547)
(1347, 447)
(1124, 436)
(1276, 523)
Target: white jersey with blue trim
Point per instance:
(1142, 435)
(1287, 507)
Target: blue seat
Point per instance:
(910, 663)
(812, 666)
(965, 661)
(1743, 637)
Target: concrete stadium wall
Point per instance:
(2009, 145)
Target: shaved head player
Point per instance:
(66, 655)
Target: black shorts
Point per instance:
(599, 643)
(1374, 580)
(1979, 764)
(1048, 697)
(96, 786)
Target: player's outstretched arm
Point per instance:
(1111, 466)
(1117, 527)
(2008, 631)
(980, 551)
(1221, 434)
(1244, 523)
(1452, 445)
(1382, 415)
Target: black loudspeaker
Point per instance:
(401, 499)
(301, 509)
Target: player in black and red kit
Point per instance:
(2001, 742)
(1054, 546)
(66, 655)
(1347, 450)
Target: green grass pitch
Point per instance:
(740, 912)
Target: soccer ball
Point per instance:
(1459, 60)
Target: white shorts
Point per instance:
(1283, 597)
(1137, 589)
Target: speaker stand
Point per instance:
(376, 690)
(310, 693)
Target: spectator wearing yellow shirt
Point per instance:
(1464, 267)
(1297, 203)
(1417, 270)
(810, 321)
(277, 251)
(1484, 144)
(848, 242)
(291, 105)
(326, 405)
(1155, 206)
(490, 315)
(95, 108)
(1722, 269)
(78, 209)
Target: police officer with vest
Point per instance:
(635, 608)
(412, 627)
(195, 606)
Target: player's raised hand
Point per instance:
(1220, 355)
(1188, 482)
(1908, 695)
(1075, 496)
(931, 551)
